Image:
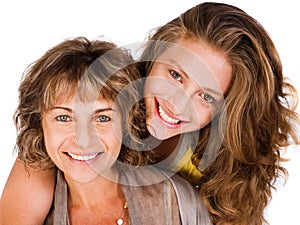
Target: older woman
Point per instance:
(77, 109)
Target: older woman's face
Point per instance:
(185, 88)
(83, 139)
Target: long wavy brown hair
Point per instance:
(259, 110)
(90, 69)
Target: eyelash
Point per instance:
(63, 118)
(66, 118)
(106, 118)
(204, 96)
(173, 73)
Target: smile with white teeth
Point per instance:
(165, 117)
(82, 157)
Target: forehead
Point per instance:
(84, 91)
(73, 98)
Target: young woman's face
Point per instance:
(185, 88)
(82, 139)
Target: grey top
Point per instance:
(172, 201)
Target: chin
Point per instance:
(83, 178)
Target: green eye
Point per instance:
(103, 118)
(208, 98)
(175, 75)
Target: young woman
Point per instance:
(231, 103)
(77, 107)
(257, 118)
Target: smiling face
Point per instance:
(83, 139)
(185, 88)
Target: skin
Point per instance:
(177, 99)
(84, 141)
(79, 136)
(20, 185)
(178, 74)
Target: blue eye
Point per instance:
(175, 75)
(63, 118)
(103, 118)
(208, 98)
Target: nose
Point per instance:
(86, 136)
(179, 100)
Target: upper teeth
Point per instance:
(165, 117)
(82, 157)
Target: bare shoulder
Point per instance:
(27, 195)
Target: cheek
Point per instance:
(150, 86)
(203, 116)
(52, 141)
(112, 140)
(49, 140)
(51, 146)
(54, 138)
(114, 146)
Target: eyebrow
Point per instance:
(213, 91)
(103, 110)
(70, 110)
(62, 108)
(173, 62)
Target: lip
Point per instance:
(80, 158)
(168, 124)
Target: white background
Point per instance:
(29, 28)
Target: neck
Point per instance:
(89, 194)
(100, 201)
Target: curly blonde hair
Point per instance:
(91, 69)
(259, 111)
